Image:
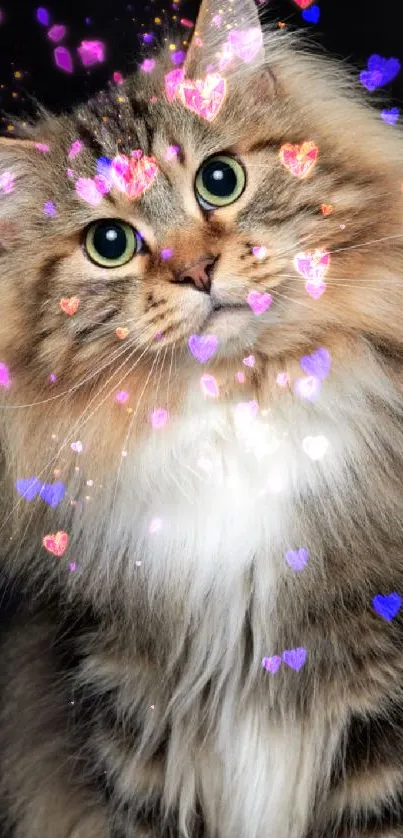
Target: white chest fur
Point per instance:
(200, 503)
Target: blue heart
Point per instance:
(312, 14)
(52, 493)
(380, 71)
(387, 606)
(29, 488)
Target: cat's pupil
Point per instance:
(219, 179)
(110, 240)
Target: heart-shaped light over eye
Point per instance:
(299, 159)
(133, 175)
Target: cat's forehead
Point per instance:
(176, 140)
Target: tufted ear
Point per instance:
(225, 35)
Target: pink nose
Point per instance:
(198, 274)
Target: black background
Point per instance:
(351, 29)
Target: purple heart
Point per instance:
(272, 664)
(390, 116)
(29, 488)
(203, 347)
(295, 658)
(387, 606)
(317, 364)
(52, 493)
(297, 559)
(312, 14)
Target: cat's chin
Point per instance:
(235, 327)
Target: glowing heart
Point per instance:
(311, 15)
(52, 493)
(326, 209)
(295, 658)
(122, 332)
(69, 305)
(173, 80)
(135, 174)
(313, 265)
(317, 364)
(303, 4)
(203, 347)
(259, 302)
(297, 559)
(308, 388)
(77, 447)
(390, 116)
(246, 43)
(387, 606)
(4, 376)
(209, 386)
(299, 159)
(159, 417)
(28, 488)
(380, 71)
(249, 361)
(56, 543)
(272, 664)
(204, 96)
(315, 289)
(315, 446)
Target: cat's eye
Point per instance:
(111, 243)
(220, 181)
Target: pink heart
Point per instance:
(159, 417)
(313, 266)
(204, 96)
(249, 361)
(173, 80)
(315, 290)
(259, 302)
(56, 543)
(134, 174)
(4, 376)
(246, 43)
(272, 664)
(299, 159)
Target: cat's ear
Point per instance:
(225, 33)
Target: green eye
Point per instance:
(111, 243)
(220, 181)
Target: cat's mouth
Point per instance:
(226, 316)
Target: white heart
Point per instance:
(315, 446)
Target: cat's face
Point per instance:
(194, 231)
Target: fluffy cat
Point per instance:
(204, 536)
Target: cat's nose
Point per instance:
(198, 274)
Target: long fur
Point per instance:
(134, 701)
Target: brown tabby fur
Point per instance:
(133, 700)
